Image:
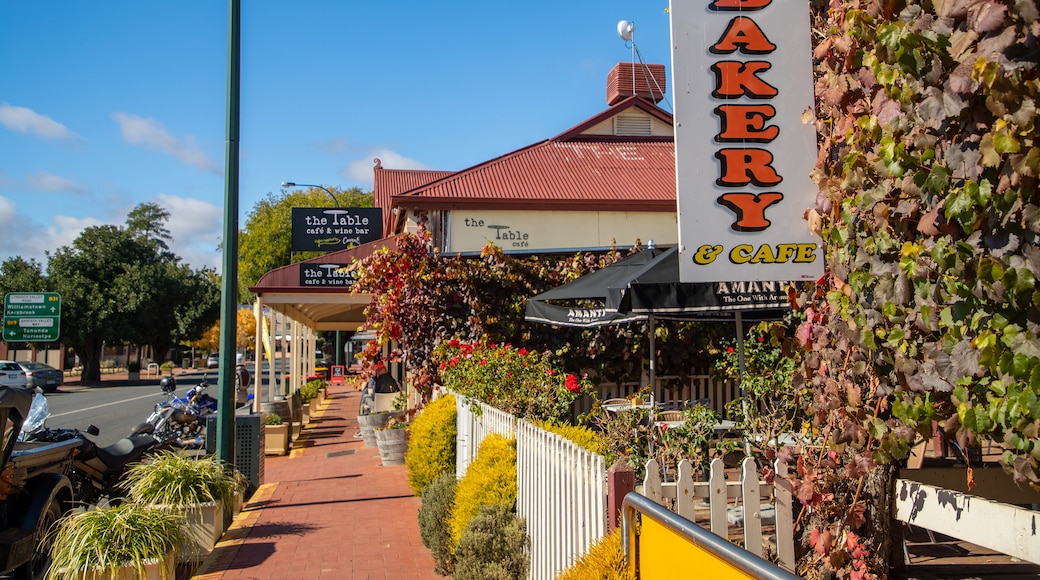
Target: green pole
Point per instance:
(229, 278)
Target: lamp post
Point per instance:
(335, 201)
(291, 184)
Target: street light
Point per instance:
(335, 201)
(291, 184)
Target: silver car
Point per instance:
(11, 375)
(42, 375)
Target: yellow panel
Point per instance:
(668, 555)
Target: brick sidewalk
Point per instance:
(328, 510)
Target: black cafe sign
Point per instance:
(327, 229)
(312, 274)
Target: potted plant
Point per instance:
(128, 541)
(309, 393)
(392, 441)
(276, 435)
(200, 489)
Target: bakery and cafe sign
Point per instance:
(312, 274)
(327, 229)
(742, 81)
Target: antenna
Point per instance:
(627, 32)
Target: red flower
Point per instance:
(729, 349)
(522, 351)
(572, 384)
(761, 339)
(444, 366)
(549, 372)
(454, 343)
(483, 362)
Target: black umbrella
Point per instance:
(645, 286)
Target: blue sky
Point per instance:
(105, 105)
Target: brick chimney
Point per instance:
(620, 82)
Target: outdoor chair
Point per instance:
(670, 416)
(617, 402)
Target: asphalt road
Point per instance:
(116, 408)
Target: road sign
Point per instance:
(32, 316)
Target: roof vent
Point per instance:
(633, 125)
(628, 79)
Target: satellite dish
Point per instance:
(626, 30)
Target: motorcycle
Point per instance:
(96, 470)
(180, 421)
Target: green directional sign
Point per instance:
(32, 316)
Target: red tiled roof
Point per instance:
(287, 278)
(390, 182)
(567, 172)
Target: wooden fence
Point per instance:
(756, 502)
(673, 391)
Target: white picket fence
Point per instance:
(755, 502)
(561, 487)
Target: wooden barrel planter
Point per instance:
(392, 444)
(369, 423)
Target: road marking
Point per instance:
(100, 406)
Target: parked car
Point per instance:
(11, 375)
(213, 361)
(42, 375)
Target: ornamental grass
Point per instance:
(175, 478)
(103, 540)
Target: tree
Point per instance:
(265, 243)
(122, 284)
(99, 293)
(245, 333)
(19, 275)
(422, 299)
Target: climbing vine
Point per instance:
(929, 212)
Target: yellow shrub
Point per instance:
(490, 479)
(431, 444)
(605, 561)
(581, 436)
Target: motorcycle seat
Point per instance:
(125, 450)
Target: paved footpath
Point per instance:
(328, 510)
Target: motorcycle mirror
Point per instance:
(93, 430)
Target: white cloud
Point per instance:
(196, 227)
(150, 134)
(20, 236)
(25, 120)
(360, 170)
(43, 181)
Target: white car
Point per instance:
(11, 374)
